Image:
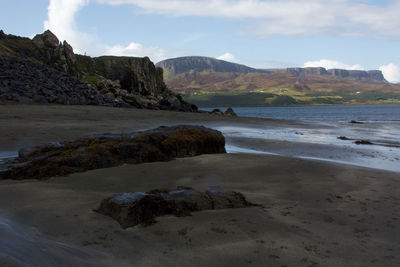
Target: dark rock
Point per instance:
(230, 112)
(356, 122)
(216, 111)
(49, 73)
(131, 209)
(57, 55)
(132, 81)
(102, 151)
(23, 81)
(344, 138)
(226, 199)
(363, 142)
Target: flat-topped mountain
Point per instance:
(180, 65)
(369, 76)
(44, 70)
(212, 82)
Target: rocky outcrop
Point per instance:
(23, 81)
(369, 76)
(120, 81)
(57, 54)
(307, 71)
(102, 151)
(229, 112)
(133, 208)
(132, 82)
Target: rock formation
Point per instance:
(102, 151)
(56, 54)
(113, 81)
(23, 81)
(133, 208)
(361, 75)
(230, 112)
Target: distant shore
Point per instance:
(314, 213)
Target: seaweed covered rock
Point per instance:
(134, 208)
(108, 150)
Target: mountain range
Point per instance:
(211, 82)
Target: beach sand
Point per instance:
(313, 214)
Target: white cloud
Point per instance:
(287, 17)
(391, 72)
(332, 64)
(227, 57)
(137, 50)
(61, 21)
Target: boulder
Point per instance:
(216, 111)
(230, 112)
(109, 150)
(133, 208)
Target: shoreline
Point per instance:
(309, 208)
(313, 213)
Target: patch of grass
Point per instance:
(91, 79)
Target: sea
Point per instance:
(322, 133)
(322, 113)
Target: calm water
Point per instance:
(323, 113)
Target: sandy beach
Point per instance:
(313, 213)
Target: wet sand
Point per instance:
(313, 214)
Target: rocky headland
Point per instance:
(44, 70)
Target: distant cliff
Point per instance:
(190, 65)
(371, 75)
(180, 65)
(216, 83)
(44, 70)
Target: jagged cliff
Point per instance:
(44, 70)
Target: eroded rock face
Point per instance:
(57, 54)
(44, 70)
(134, 208)
(102, 151)
(23, 81)
(132, 81)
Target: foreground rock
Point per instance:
(131, 209)
(102, 151)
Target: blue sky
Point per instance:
(351, 34)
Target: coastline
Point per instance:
(314, 213)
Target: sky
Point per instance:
(348, 34)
